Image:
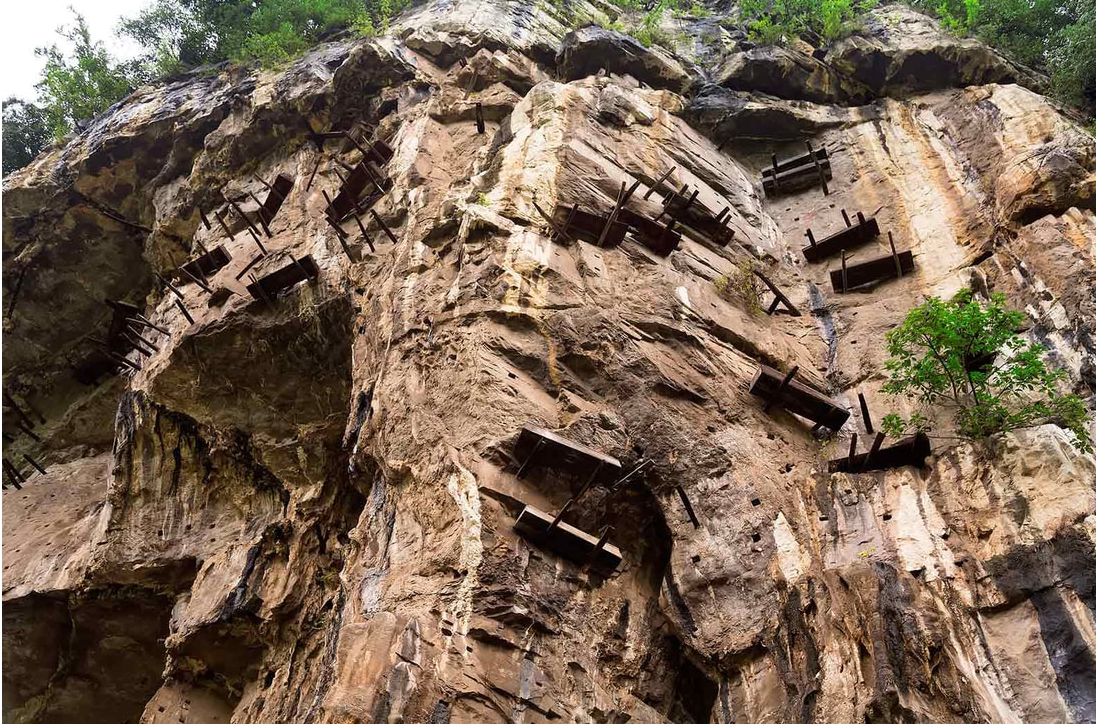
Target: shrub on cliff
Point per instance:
(966, 355)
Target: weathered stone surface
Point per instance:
(302, 508)
(786, 73)
(591, 49)
(901, 52)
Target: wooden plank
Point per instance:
(908, 451)
(566, 540)
(279, 192)
(795, 178)
(295, 272)
(847, 238)
(658, 238)
(798, 398)
(588, 227)
(875, 270)
(205, 265)
(803, 159)
(541, 447)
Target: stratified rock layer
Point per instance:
(301, 509)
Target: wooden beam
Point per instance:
(566, 540)
(876, 270)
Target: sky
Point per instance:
(28, 24)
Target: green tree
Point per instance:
(82, 83)
(26, 133)
(966, 355)
(181, 34)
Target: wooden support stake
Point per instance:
(894, 255)
(779, 295)
(844, 272)
(479, 118)
(776, 174)
(257, 240)
(601, 541)
(14, 475)
(34, 463)
(658, 182)
(200, 245)
(122, 360)
(259, 214)
(141, 319)
(566, 506)
(725, 212)
(10, 403)
(241, 214)
(174, 290)
(845, 216)
(266, 185)
(262, 292)
(864, 413)
(137, 345)
(361, 227)
(810, 237)
(205, 287)
(182, 308)
(775, 398)
(221, 221)
(312, 175)
(384, 226)
(205, 220)
(28, 432)
(852, 447)
(15, 290)
(688, 507)
(529, 459)
(612, 215)
(817, 167)
(247, 267)
(871, 453)
(135, 333)
(552, 224)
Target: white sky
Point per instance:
(28, 24)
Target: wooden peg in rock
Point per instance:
(248, 266)
(141, 319)
(864, 413)
(122, 360)
(262, 292)
(259, 214)
(133, 330)
(205, 220)
(562, 233)
(384, 226)
(818, 168)
(726, 211)
(365, 235)
(480, 127)
(894, 255)
(34, 463)
(598, 547)
(171, 287)
(221, 221)
(14, 476)
(775, 398)
(311, 176)
(872, 452)
(26, 430)
(9, 402)
(852, 447)
(183, 309)
(845, 216)
(201, 283)
(844, 271)
(140, 348)
(241, 214)
(810, 236)
(612, 215)
(257, 240)
(658, 182)
(779, 296)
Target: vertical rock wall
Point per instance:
(301, 509)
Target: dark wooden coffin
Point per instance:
(559, 453)
(908, 451)
(566, 540)
(798, 398)
(285, 278)
(876, 270)
(847, 238)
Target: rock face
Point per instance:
(300, 507)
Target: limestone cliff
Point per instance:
(298, 504)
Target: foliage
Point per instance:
(773, 21)
(81, 84)
(25, 133)
(742, 284)
(939, 354)
(183, 34)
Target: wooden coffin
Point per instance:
(908, 451)
(579, 224)
(285, 278)
(798, 398)
(541, 447)
(876, 270)
(847, 238)
(566, 540)
(655, 236)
